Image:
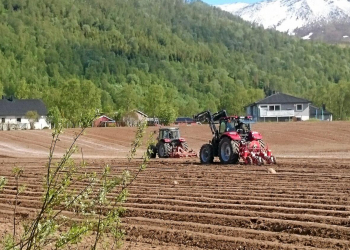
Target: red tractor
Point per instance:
(233, 141)
(171, 145)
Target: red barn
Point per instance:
(103, 121)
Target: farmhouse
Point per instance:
(283, 107)
(13, 114)
(134, 117)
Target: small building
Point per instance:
(103, 121)
(320, 113)
(13, 114)
(184, 121)
(140, 115)
(134, 117)
(152, 121)
(280, 107)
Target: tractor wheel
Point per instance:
(152, 151)
(249, 161)
(184, 146)
(262, 144)
(164, 150)
(206, 154)
(260, 161)
(273, 160)
(228, 151)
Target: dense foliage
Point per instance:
(155, 55)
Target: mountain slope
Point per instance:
(293, 15)
(157, 56)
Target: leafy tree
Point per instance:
(54, 116)
(32, 117)
(167, 115)
(78, 98)
(127, 98)
(154, 100)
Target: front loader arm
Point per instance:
(210, 118)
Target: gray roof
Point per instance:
(184, 119)
(280, 98)
(19, 107)
(172, 128)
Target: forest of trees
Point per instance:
(158, 56)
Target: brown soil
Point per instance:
(180, 204)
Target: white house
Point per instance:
(283, 107)
(13, 113)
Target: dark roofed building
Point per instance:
(19, 107)
(184, 120)
(279, 98)
(13, 113)
(281, 107)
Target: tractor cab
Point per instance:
(241, 125)
(169, 134)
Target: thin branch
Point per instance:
(15, 210)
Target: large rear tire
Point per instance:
(206, 154)
(164, 150)
(184, 146)
(228, 151)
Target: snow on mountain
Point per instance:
(232, 7)
(307, 37)
(289, 15)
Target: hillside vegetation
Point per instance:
(164, 57)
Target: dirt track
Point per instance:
(180, 204)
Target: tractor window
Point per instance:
(174, 134)
(243, 127)
(164, 134)
(231, 126)
(222, 128)
(171, 136)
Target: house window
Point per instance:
(3, 120)
(19, 119)
(274, 107)
(299, 107)
(263, 107)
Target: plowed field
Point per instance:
(180, 204)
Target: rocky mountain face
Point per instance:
(325, 20)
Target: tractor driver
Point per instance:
(230, 126)
(242, 127)
(171, 135)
